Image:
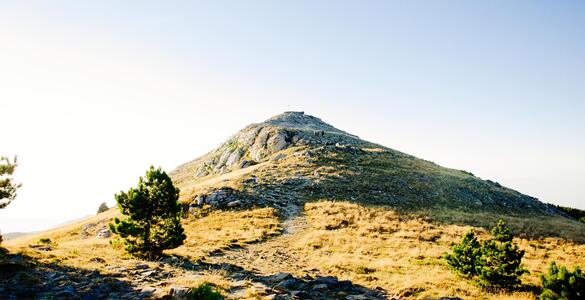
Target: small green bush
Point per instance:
(494, 264)
(203, 292)
(44, 241)
(561, 284)
(582, 220)
(500, 262)
(465, 255)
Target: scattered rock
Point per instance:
(330, 281)
(104, 233)
(290, 284)
(97, 260)
(178, 292)
(234, 204)
(320, 287)
(148, 290)
(278, 277)
(148, 273)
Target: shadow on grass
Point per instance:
(22, 277)
(284, 285)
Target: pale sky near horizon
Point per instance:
(93, 92)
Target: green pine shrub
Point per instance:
(203, 292)
(561, 284)
(493, 264)
(500, 261)
(44, 241)
(465, 255)
(153, 213)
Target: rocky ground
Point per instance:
(266, 270)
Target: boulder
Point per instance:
(290, 284)
(278, 277)
(234, 204)
(277, 142)
(330, 281)
(246, 163)
(320, 287)
(234, 157)
(178, 292)
(104, 233)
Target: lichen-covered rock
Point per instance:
(258, 142)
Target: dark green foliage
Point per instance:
(203, 292)
(575, 213)
(45, 241)
(7, 186)
(500, 265)
(102, 208)
(501, 232)
(561, 284)
(495, 264)
(153, 221)
(465, 254)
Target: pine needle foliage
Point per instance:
(153, 213)
(493, 264)
(500, 262)
(7, 186)
(465, 255)
(203, 292)
(561, 284)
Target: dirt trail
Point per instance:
(276, 254)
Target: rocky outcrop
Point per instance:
(221, 198)
(259, 142)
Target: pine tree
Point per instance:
(464, 258)
(500, 261)
(153, 221)
(102, 208)
(7, 186)
(501, 232)
(561, 284)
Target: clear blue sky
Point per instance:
(89, 88)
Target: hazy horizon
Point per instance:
(94, 93)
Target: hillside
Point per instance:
(315, 160)
(293, 208)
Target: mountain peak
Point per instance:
(260, 141)
(300, 121)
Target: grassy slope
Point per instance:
(378, 246)
(207, 234)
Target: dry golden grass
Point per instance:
(224, 229)
(216, 231)
(372, 246)
(403, 253)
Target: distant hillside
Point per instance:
(574, 213)
(13, 235)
